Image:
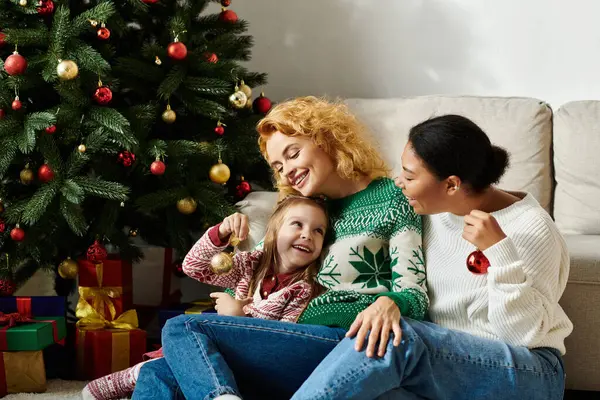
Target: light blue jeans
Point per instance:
(437, 363)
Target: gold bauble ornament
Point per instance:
(67, 70)
(133, 232)
(222, 263)
(246, 89)
(169, 115)
(81, 148)
(68, 269)
(157, 61)
(187, 205)
(219, 173)
(26, 176)
(23, 3)
(238, 99)
(93, 22)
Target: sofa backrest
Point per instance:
(521, 125)
(577, 167)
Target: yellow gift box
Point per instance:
(22, 372)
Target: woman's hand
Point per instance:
(227, 305)
(482, 230)
(236, 224)
(381, 318)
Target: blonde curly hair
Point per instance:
(332, 127)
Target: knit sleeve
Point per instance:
(526, 282)
(407, 262)
(197, 262)
(286, 307)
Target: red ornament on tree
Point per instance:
(262, 104)
(126, 158)
(7, 287)
(103, 33)
(2, 226)
(2, 39)
(225, 3)
(211, 57)
(158, 167)
(51, 129)
(2, 113)
(242, 189)
(45, 173)
(96, 252)
(103, 95)
(478, 263)
(46, 7)
(16, 104)
(220, 128)
(228, 16)
(150, 1)
(15, 64)
(177, 50)
(17, 234)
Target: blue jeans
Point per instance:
(437, 363)
(208, 355)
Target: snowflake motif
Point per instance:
(374, 269)
(327, 275)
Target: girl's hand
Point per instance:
(482, 230)
(227, 305)
(381, 318)
(236, 224)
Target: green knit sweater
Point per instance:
(376, 251)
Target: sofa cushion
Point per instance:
(258, 206)
(585, 258)
(577, 166)
(523, 126)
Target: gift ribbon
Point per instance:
(91, 319)
(101, 297)
(24, 306)
(108, 351)
(11, 320)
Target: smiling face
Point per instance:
(300, 236)
(300, 163)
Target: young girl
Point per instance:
(274, 283)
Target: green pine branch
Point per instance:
(101, 188)
(49, 149)
(208, 86)
(88, 58)
(39, 202)
(61, 32)
(185, 148)
(9, 151)
(102, 12)
(72, 192)
(27, 37)
(199, 106)
(13, 213)
(73, 215)
(172, 82)
(161, 199)
(70, 91)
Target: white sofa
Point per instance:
(555, 156)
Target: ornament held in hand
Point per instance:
(222, 263)
(478, 263)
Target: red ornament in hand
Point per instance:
(46, 7)
(126, 158)
(45, 173)
(158, 167)
(16, 104)
(228, 16)
(262, 104)
(177, 51)
(96, 252)
(17, 234)
(103, 33)
(2, 39)
(242, 190)
(7, 287)
(103, 95)
(15, 64)
(478, 263)
(51, 129)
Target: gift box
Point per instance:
(35, 306)
(197, 307)
(21, 372)
(107, 286)
(31, 334)
(102, 352)
(160, 285)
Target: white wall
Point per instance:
(549, 49)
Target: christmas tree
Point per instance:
(120, 119)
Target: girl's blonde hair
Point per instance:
(332, 127)
(269, 257)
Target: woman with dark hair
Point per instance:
(496, 269)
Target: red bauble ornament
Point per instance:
(45, 173)
(2, 225)
(7, 287)
(225, 3)
(242, 190)
(211, 57)
(103, 95)
(46, 7)
(158, 167)
(177, 51)
(15, 64)
(220, 130)
(478, 263)
(2, 39)
(126, 158)
(16, 104)
(51, 129)
(96, 252)
(17, 234)
(103, 33)
(228, 16)
(150, 1)
(262, 104)
(2, 113)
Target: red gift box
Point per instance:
(102, 352)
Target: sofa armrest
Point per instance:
(258, 206)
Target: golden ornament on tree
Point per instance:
(246, 89)
(219, 173)
(238, 99)
(133, 232)
(81, 148)
(169, 115)
(23, 3)
(67, 70)
(187, 205)
(26, 175)
(68, 269)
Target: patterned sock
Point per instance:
(114, 386)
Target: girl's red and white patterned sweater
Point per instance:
(285, 304)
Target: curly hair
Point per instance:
(333, 128)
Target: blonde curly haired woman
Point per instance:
(373, 267)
